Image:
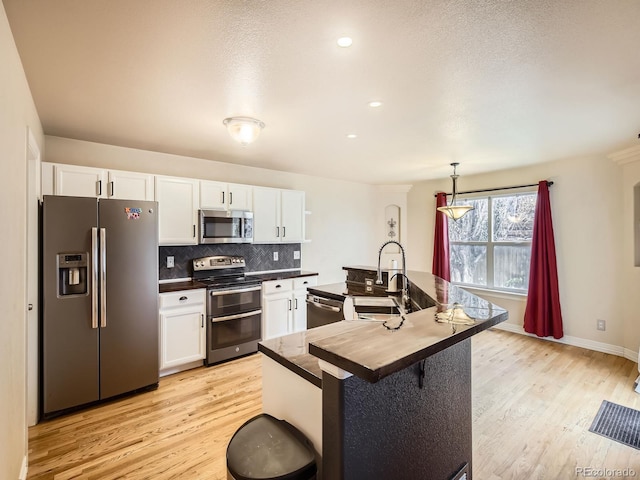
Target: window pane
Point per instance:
(469, 264)
(511, 266)
(513, 218)
(474, 226)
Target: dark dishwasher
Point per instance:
(323, 310)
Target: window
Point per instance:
(490, 247)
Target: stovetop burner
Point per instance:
(228, 281)
(222, 271)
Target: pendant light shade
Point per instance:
(452, 210)
(244, 130)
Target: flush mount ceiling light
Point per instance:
(244, 130)
(345, 42)
(375, 104)
(452, 210)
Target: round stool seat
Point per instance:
(265, 448)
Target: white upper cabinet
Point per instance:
(178, 200)
(278, 215)
(266, 215)
(292, 212)
(78, 181)
(225, 196)
(130, 185)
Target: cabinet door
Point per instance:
(266, 215)
(130, 185)
(240, 197)
(292, 205)
(75, 181)
(300, 301)
(300, 310)
(177, 210)
(276, 315)
(213, 195)
(182, 336)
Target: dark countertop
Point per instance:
(292, 351)
(264, 277)
(178, 286)
(370, 351)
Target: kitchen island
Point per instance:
(384, 400)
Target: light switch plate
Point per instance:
(275, 256)
(296, 254)
(170, 262)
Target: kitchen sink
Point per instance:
(371, 308)
(377, 309)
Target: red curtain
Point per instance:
(542, 315)
(441, 241)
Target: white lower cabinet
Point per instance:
(284, 307)
(182, 329)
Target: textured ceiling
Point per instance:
(491, 84)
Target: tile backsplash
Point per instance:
(259, 258)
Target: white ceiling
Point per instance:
(491, 84)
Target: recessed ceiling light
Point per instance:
(345, 42)
(375, 104)
(352, 135)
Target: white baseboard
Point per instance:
(576, 342)
(23, 469)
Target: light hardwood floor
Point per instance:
(533, 403)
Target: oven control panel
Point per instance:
(218, 261)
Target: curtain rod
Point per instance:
(498, 189)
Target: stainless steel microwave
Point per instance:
(219, 226)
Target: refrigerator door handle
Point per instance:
(94, 277)
(103, 277)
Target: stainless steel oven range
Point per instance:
(234, 307)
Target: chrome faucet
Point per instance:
(406, 301)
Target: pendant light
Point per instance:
(453, 211)
(244, 130)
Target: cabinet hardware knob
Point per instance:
(183, 298)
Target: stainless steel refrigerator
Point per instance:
(100, 299)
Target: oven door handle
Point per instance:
(235, 317)
(214, 293)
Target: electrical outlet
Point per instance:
(275, 256)
(296, 254)
(170, 262)
(602, 325)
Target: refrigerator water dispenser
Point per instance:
(72, 274)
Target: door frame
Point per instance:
(32, 292)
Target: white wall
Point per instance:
(588, 223)
(17, 112)
(630, 293)
(343, 226)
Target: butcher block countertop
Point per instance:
(369, 350)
